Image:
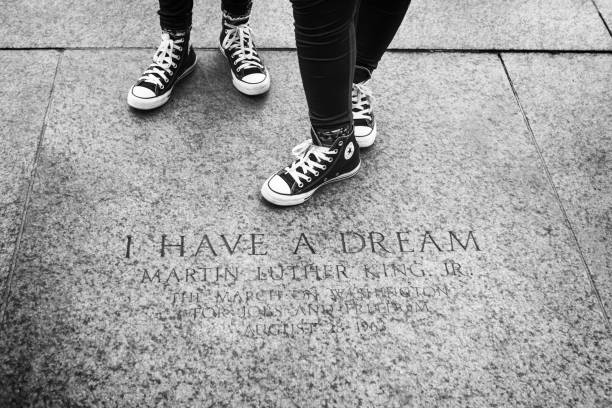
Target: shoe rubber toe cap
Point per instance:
(254, 78)
(361, 131)
(278, 185)
(142, 92)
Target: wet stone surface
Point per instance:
(152, 274)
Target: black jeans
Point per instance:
(176, 14)
(332, 38)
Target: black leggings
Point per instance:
(332, 38)
(176, 14)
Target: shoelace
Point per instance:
(239, 38)
(163, 61)
(362, 101)
(303, 153)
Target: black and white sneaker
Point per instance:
(363, 116)
(173, 60)
(327, 157)
(249, 74)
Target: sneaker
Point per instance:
(327, 157)
(174, 60)
(249, 75)
(363, 117)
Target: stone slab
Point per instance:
(476, 24)
(501, 317)
(605, 8)
(22, 107)
(430, 24)
(568, 101)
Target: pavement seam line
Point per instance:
(590, 278)
(26, 203)
(603, 20)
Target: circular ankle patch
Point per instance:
(348, 152)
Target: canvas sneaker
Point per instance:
(363, 116)
(326, 157)
(249, 74)
(173, 60)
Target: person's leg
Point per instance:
(173, 60)
(325, 40)
(175, 15)
(237, 9)
(249, 74)
(377, 21)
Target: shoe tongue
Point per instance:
(175, 34)
(327, 137)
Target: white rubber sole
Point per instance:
(367, 140)
(289, 200)
(157, 101)
(247, 88)
(252, 89)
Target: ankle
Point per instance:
(235, 19)
(327, 136)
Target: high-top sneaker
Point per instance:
(249, 74)
(329, 156)
(363, 116)
(173, 60)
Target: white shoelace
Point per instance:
(362, 101)
(302, 152)
(239, 38)
(163, 61)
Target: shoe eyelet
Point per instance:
(341, 143)
(166, 80)
(178, 57)
(309, 179)
(324, 167)
(174, 65)
(161, 86)
(316, 173)
(300, 185)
